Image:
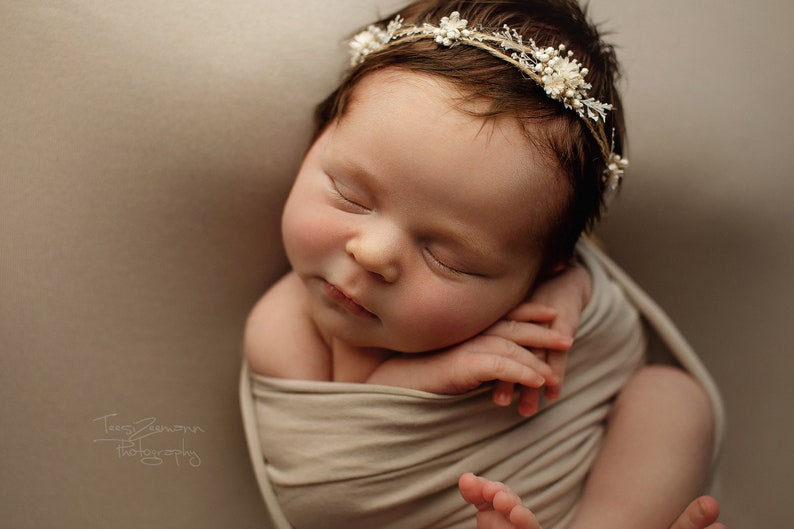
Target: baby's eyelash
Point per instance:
(441, 264)
(342, 198)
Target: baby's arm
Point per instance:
(280, 340)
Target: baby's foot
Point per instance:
(498, 507)
(700, 514)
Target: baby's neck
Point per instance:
(355, 364)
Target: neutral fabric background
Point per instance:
(146, 148)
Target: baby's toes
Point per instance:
(699, 514)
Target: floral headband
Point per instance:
(554, 69)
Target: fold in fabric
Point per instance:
(362, 455)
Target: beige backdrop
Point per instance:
(146, 147)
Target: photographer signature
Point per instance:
(144, 438)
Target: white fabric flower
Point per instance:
(614, 171)
(570, 71)
(364, 43)
(451, 29)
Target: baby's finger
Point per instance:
(503, 393)
(514, 372)
(557, 361)
(532, 311)
(530, 335)
(528, 401)
(492, 358)
(506, 370)
(566, 322)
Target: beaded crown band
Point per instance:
(554, 69)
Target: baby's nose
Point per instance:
(377, 251)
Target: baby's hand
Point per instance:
(567, 292)
(556, 304)
(495, 355)
(528, 326)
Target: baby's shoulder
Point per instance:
(280, 337)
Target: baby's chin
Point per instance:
(417, 344)
(401, 339)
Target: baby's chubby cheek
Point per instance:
(305, 239)
(306, 234)
(439, 325)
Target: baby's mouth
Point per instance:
(346, 302)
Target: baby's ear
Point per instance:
(552, 269)
(557, 267)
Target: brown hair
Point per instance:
(478, 74)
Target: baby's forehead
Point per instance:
(377, 87)
(419, 102)
(395, 80)
(482, 112)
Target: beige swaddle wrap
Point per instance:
(330, 454)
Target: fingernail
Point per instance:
(504, 398)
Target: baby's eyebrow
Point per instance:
(338, 165)
(484, 253)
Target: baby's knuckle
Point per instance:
(511, 326)
(498, 363)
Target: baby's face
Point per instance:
(414, 225)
